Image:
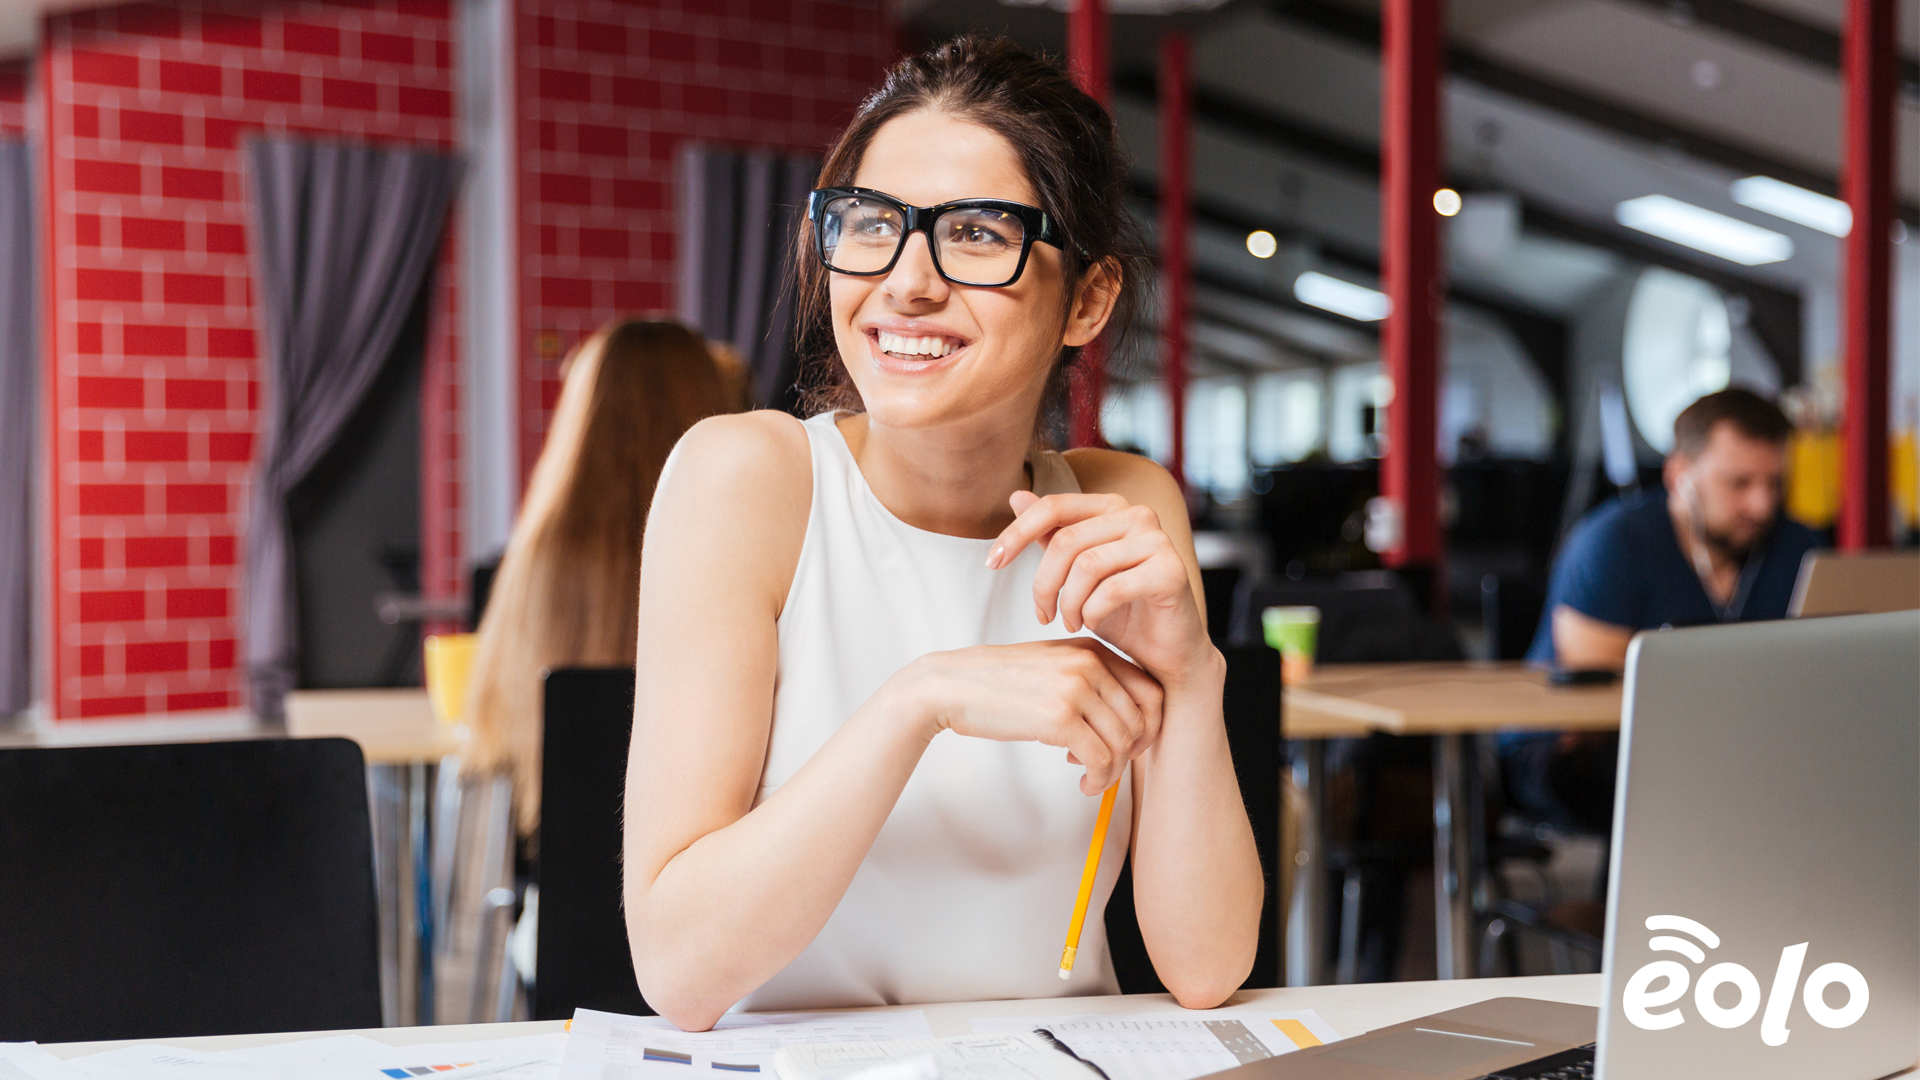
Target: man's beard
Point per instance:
(1727, 547)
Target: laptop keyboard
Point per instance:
(1575, 1064)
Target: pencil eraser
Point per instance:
(1066, 973)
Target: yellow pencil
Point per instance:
(1086, 880)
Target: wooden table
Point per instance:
(1450, 701)
(411, 765)
(393, 727)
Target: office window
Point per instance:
(1216, 449)
(1285, 423)
(1134, 417)
(1679, 338)
(1356, 421)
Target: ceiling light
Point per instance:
(1703, 230)
(1796, 204)
(1262, 244)
(1341, 297)
(1446, 202)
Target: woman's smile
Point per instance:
(914, 350)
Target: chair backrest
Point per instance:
(186, 889)
(1365, 617)
(1252, 705)
(1510, 609)
(581, 958)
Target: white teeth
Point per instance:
(900, 345)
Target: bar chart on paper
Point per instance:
(1174, 1046)
(608, 1046)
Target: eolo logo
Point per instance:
(1640, 999)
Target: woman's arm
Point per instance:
(720, 895)
(1121, 560)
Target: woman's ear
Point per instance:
(1093, 302)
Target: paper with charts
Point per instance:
(609, 1046)
(1007, 1055)
(1175, 1045)
(338, 1057)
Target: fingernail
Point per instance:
(1039, 614)
(993, 557)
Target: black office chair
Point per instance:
(581, 957)
(1252, 707)
(186, 889)
(1365, 617)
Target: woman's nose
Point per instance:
(914, 279)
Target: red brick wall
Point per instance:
(153, 379)
(152, 389)
(607, 92)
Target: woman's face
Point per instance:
(955, 352)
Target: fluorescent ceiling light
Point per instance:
(1703, 230)
(1341, 297)
(1796, 204)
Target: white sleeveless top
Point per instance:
(967, 891)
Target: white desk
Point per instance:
(1350, 1009)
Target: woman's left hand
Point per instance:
(1109, 566)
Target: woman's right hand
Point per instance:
(1073, 693)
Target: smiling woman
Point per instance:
(865, 639)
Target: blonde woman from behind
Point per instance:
(567, 592)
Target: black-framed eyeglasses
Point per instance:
(973, 241)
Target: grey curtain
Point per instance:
(345, 236)
(19, 358)
(739, 213)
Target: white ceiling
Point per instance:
(1620, 52)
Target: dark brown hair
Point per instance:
(1750, 414)
(1069, 149)
(568, 590)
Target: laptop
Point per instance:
(1856, 583)
(1763, 917)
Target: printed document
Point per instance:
(1174, 1045)
(1013, 1055)
(27, 1061)
(608, 1046)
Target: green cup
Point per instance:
(1295, 631)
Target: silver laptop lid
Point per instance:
(1764, 912)
(1856, 583)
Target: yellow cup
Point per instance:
(449, 660)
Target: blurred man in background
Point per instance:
(1711, 547)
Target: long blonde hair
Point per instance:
(568, 589)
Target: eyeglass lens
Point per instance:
(973, 245)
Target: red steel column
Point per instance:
(1867, 183)
(1411, 55)
(1176, 115)
(1087, 58)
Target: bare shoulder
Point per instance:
(1136, 479)
(736, 492)
(755, 458)
(763, 442)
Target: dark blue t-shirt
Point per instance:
(1623, 565)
